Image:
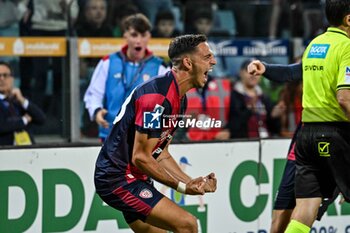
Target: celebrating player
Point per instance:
(136, 150)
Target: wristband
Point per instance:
(181, 187)
(25, 104)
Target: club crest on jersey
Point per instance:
(152, 120)
(146, 193)
(318, 51)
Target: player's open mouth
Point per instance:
(206, 75)
(208, 71)
(138, 49)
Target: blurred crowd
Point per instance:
(247, 107)
(101, 18)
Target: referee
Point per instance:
(323, 145)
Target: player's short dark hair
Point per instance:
(184, 44)
(4, 63)
(336, 10)
(138, 21)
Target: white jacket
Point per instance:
(49, 15)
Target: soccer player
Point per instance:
(284, 202)
(322, 146)
(136, 150)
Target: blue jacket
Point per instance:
(119, 77)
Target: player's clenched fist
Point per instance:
(210, 183)
(196, 186)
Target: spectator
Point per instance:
(93, 22)
(17, 114)
(50, 19)
(11, 14)
(296, 18)
(119, 13)
(134, 64)
(53, 18)
(165, 25)
(252, 114)
(259, 15)
(291, 99)
(26, 63)
(202, 22)
(151, 7)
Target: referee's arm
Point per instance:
(343, 97)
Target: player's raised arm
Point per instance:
(276, 72)
(172, 167)
(167, 161)
(142, 158)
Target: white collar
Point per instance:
(2, 96)
(240, 88)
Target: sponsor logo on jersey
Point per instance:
(146, 193)
(313, 68)
(318, 51)
(347, 75)
(323, 149)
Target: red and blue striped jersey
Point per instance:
(144, 111)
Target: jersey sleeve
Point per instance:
(283, 73)
(343, 79)
(149, 111)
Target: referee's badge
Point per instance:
(146, 193)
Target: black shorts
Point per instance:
(135, 200)
(285, 198)
(323, 160)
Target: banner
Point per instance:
(33, 46)
(99, 47)
(250, 48)
(52, 190)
